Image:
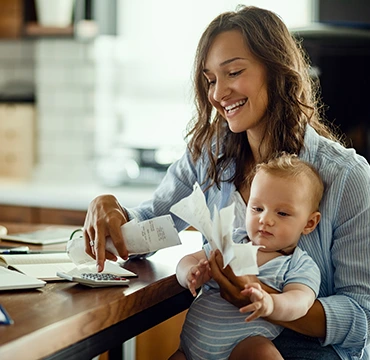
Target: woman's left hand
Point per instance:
(230, 284)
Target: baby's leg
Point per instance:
(255, 348)
(178, 355)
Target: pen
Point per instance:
(10, 250)
(5, 319)
(15, 252)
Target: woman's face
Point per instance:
(237, 83)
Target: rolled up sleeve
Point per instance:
(347, 324)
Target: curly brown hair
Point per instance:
(293, 97)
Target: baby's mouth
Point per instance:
(264, 233)
(235, 106)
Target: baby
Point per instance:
(283, 205)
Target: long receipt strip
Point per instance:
(193, 209)
(140, 238)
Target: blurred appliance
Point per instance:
(354, 13)
(341, 58)
(136, 166)
(96, 15)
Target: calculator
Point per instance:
(96, 279)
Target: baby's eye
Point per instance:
(282, 213)
(257, 209)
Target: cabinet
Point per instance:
(17, 124)
(11, 19)
(161, 341)
(36, 215)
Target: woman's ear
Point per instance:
(312, 222)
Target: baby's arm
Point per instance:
(291, 304)
(193, 271)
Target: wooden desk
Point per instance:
(66, 320)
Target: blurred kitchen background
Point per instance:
(95, 96)
(103, 95)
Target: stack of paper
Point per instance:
(14, 280)
(193, 209)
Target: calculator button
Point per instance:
(102, 277)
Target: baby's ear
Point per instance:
(312, 222)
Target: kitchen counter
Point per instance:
(67, 195)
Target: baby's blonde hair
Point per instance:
(290, 166)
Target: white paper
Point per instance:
(110, 267)
(193, 209)
(150, 235)
(245, 261)
(140, 238)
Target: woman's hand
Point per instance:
(104, 218)
(230, 284)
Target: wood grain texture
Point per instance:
(52, 318)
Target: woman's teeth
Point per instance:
(235, 106)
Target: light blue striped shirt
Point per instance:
(213, 326)
(340, 245)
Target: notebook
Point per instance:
(47, 236)
(45, 266)
(14, 280)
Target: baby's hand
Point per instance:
(262, 304)
(198, 275)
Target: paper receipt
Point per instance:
(193, 209)
(140, 238)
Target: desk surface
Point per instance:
(64, 318)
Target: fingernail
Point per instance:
(99, 267)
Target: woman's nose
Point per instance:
(221, 90)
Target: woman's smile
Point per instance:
(230, 109)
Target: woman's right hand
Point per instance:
(104, 218)
(230, 284)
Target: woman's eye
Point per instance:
(210, 81)
(235, 73)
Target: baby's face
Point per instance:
(278, 211)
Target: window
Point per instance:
(159, 39)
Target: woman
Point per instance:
(251, 71)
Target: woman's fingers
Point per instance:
(104, 218)
(116, 220)
(100, 249)
(228, 290)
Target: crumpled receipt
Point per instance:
(193, 209)
(140, 238)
